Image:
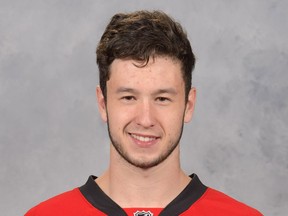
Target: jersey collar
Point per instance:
(191, 193)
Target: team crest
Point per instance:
(143, 213)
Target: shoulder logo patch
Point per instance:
(143, 213)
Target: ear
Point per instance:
(190, 105)
(101, 104)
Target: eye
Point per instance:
(163, 99)
(128, 98)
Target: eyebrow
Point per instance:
(126, 90)
(158, 91)
(166, 91)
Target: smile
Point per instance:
(143, 138)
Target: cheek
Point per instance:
(118, 117)
(171, 121)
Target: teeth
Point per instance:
(143, 139)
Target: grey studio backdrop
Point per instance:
(52, 136)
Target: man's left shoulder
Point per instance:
(223, 203)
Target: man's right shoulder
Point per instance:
(71, 203)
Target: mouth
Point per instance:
(143, 140)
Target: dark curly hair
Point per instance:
(142, 35)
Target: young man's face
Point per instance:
(145, 109)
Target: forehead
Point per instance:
(158, 73)
(164, 65)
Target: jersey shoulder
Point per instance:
(71, 203)
(219, 204)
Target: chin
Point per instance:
(145, 163)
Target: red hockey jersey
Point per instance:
(195, 199)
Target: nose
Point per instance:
(145, 114)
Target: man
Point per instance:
(145, 96)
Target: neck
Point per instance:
(129, 186)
